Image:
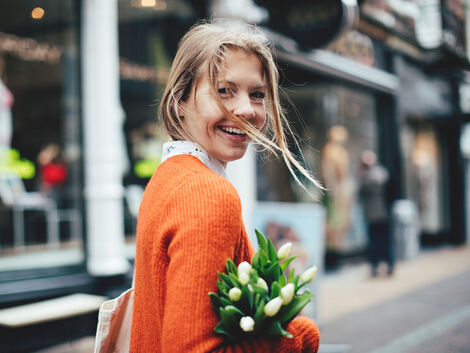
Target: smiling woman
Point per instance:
(221, 95)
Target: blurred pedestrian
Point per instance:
(374, 178)
(221, 94)
(52, 171)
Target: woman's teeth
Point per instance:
(232, 130)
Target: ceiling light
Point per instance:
(148, 3)
(37, 13)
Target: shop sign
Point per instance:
(414, 20)
(312, 24)
(355, 46)
(29, 49)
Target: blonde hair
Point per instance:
(202, 50)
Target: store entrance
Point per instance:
(435, 179)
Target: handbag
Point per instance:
(113, 333)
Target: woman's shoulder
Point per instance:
(186, 176)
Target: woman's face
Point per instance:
(241, 88)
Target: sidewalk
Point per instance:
(351, 289)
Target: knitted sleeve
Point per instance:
(207, 226)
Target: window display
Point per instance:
(40, 200)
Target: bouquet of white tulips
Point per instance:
(257, 297)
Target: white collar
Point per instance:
(175, 148)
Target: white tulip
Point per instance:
(262, 283)
(284, 251)
(273, 306)
(247, 323)
(308, 275)
(244, 267)
(234, 294)
(243, 277)
(287, 293)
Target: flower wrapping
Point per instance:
(257, 298)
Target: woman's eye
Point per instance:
(258, 95)
(223, 91)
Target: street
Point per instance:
(411, 312)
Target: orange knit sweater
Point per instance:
(189, 224)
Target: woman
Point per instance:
(221, 94)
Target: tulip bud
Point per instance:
(272, 307)
(247, 323)
(287, 293)
(243, 277)
(244, 267)
(308, 275)
(262, 283)
(234, 294)
(284, 251)
(250, 288)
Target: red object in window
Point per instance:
(54, 174)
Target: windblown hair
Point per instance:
(202, 50)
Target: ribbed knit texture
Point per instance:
(189, 223)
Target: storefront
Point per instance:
(47, 150)
(339, 106)
(430, 60)
(40, 163)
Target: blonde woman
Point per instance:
(221, 95)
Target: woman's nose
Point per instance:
(244, 108)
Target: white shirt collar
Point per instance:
(175, 148)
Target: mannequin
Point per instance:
(339, 183)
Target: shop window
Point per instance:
(334, 124)
(40, 173)
(149, 32)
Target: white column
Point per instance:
(465, 148)
(101, 137)
(242, 174)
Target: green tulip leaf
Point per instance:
(247, 298)
(261, 240)
(263, 259)
(231, 268)
(225, 301)
(255, 260)
(216, 302)
(223, 288)
(296, 282)
(259, 291)
(231, 282)
(272, 273)
(282, 280)
(259, 314)
(291, 275)
(275, 290)
(272, 252)
(230, 316)
(293, 308)
(276, 329)
(287, 263)
(254, 276)
(221, 330)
